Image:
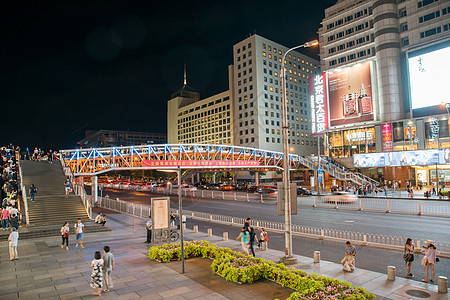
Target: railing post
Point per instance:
(141, 211)
(262, 201)
(314, 201)
(232, 221)
(420, 209)
(388, 210)
(335, 204)
(202, 194)
(223, 195)
(360, 206)
(210, 218)
(247, 197)
(322, 234)
(364, 240)
(235, 196)
(257, 224)
(212, 194)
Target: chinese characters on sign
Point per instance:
(199, 163)
(160, 213)
(386, 137)
(434, 128)
(319, 104)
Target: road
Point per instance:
(418, 227)
(369, 258)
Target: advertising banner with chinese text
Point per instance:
(318, 103)
(200, 163)
(387, 140)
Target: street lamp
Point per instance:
(288, 259)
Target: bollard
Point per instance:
(316, 257)
(391, 273)
(212, 194)
(184, 226)
(202, 195)
(262, 199)
(247, 197)
(420, 209)
(314, 201)
(360, 206)
(232, 221)
(223, 195)
(195, 229)
(335, 204)
(209, 232)
(322, 234)
(225, 236)
(364, 243)
(418, 249)
(235, 196)
(442, 284)
(388, 210)
(263, 246)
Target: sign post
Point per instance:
(281, 200)
(160, 219)
(180, 209)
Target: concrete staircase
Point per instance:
(51, 206)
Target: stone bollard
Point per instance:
(316, 257)
(391, 273)
(225, 236)
(263, 246)
(195, 229)
(209, 232)
(442, 284)
(184, 225)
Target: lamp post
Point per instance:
(288, 259)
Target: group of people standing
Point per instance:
(428, 261)
(102, 267)
(65, 232)
(249, 238)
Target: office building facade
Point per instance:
(116, 138)
(257, 96)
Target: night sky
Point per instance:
(68, 66)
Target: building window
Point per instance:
(430, 32)
(403, 27)
(425, 2)
(405, 41)
(430, 16)
(402, 12)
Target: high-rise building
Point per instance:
(115, 138)
(191, 120)
(257, 96)
(385, 64)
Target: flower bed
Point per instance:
(237, 267)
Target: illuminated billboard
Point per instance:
(318, 103)
(428, 77)
(350, 97)
(402, 158)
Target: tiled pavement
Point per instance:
(45, 271)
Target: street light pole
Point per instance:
(288, 258)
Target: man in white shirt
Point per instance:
(13, 240)
(148, 226)
(79, 232)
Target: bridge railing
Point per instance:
(23, 189)
(331, 234)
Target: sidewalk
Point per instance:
(45, 271)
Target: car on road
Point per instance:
(252, 189)
(303, 192)
(213, 186)
(226, 187)
(188, 188)
(340, 197)
(267, 190)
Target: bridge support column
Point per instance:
(94, 191)
(193, 181)
(257, 178)
(81, 184)
(198, 176)
(214, 177)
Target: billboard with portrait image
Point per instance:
(350, 97)
(428, 77)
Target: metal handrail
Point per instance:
(24, 192)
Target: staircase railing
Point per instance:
(24, 192)
(78, 189)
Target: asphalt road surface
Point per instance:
(418, 227)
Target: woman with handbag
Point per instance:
(65, 235)
(429, 260)
(408, 256)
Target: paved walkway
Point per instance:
(45, 271)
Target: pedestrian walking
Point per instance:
(79, 233)
(247, 224)
(349, 260)
(148, 226)
(14, 220)
(65, 235)
(244, 235)
(5, 218)
(97, 274)
(408, 256)
(33, 192)
(13, 239)
(172, 219)
(252, 241)
(67, 187)
(108, 267)
(429, 260)
(263, 238)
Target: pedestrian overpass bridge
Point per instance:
(206, 157)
